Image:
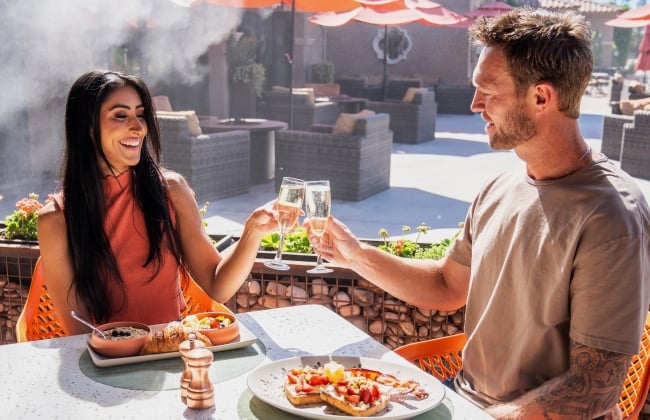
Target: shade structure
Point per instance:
(641, 12)
(627, 23)
(312, 6)
(633, 18)
(488, 10)
(391, 13)
(493, 9)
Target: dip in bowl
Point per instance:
(123, 339)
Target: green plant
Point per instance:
(22, 223)
(412, 249)
(298, 242)
(252, 75)
(241, 54)
(323, 72)
(295, 241)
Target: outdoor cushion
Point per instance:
(345, 123)
(161, 103)
(309, 92)
(410, 93)
(192, 120)
(628, 106)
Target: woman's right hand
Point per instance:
(263, 219)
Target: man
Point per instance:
(553, 260)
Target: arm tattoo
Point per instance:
(592, 384)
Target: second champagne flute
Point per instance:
(289, 205)
(318, 201)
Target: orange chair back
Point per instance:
(38, 320)
(635, 387)
(441, 357)
(197, 300)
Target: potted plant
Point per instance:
(19, 252)
(245, 74)
(22, 223)
(322, 72)
(322, 80)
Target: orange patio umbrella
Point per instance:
(488, 10)
(301, 5)
(641, 12)
(493, 9)
(634, 18)
(390, 13)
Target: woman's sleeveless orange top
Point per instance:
(148, 300)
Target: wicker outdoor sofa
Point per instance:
(274, 105)
(411, 122)
(613, 134)
(635, 148)
(357, 165)
(216, 165)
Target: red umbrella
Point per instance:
(391, 12)
(643, 61)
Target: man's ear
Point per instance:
(544, 95)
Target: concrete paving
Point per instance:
(431, 183)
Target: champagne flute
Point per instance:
(318, 201)
(289, 205)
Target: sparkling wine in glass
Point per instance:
(318, 200)
(290, 197)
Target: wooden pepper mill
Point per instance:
(200, 392)
(184, 348)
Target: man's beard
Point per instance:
(517, 129)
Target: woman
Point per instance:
(115, 239)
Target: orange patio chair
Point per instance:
(441, 357)
(38, 320)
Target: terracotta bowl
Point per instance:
(220, 335)
(122, 341)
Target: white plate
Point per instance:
(267, 383)
(246, 338)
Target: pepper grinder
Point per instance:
(200, 392)
(184, 349)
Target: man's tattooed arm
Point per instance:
(590, 389)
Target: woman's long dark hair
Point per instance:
(93, 261)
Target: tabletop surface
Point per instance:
(251, 124)
(50, 378)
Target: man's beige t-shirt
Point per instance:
(551, 260)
